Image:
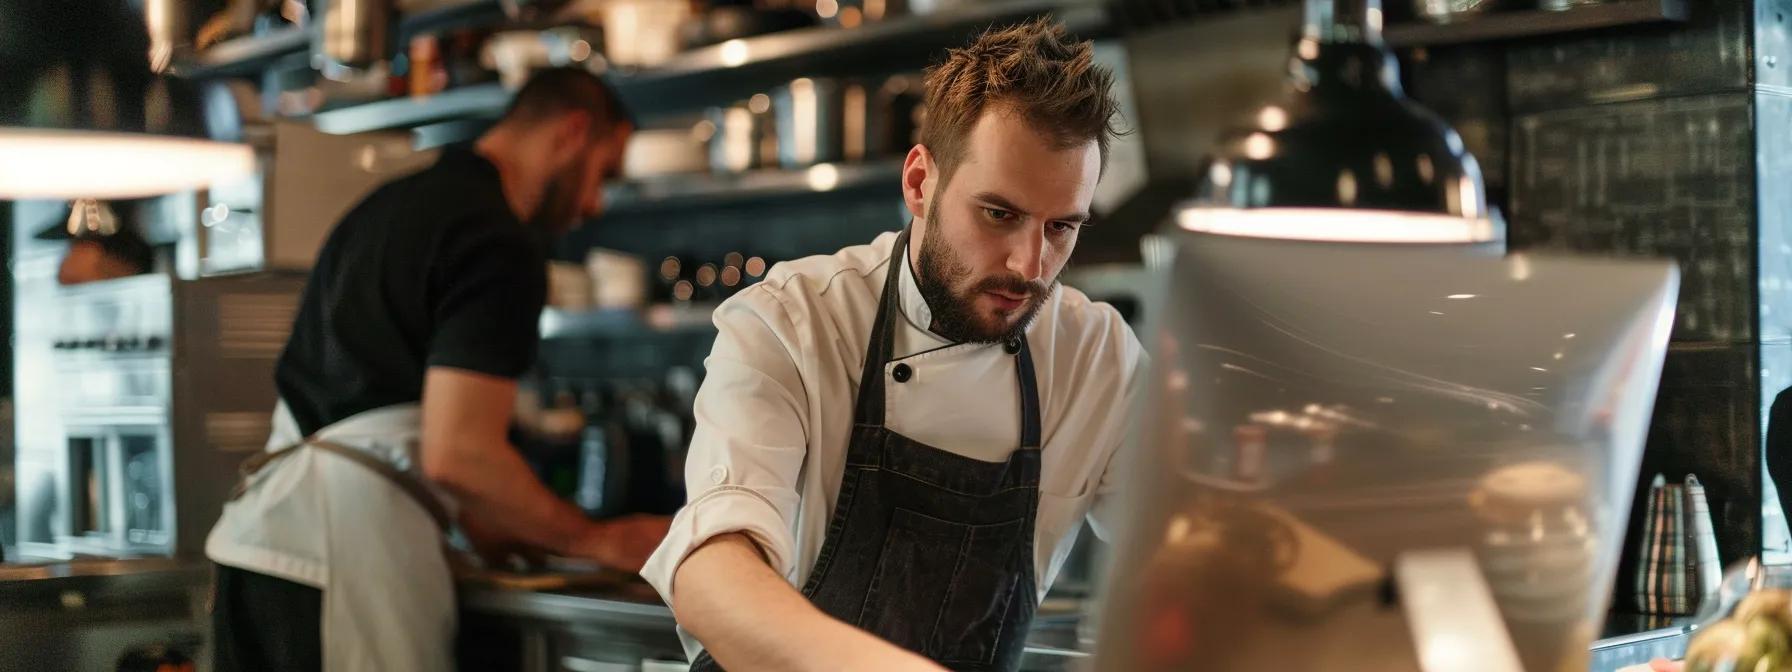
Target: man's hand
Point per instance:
(622, 543)
(465, 416)
(1665, 665)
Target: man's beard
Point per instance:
(559, 209)
(955, 315)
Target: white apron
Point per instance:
(321, 519)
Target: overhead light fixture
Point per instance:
(85, 116)
(1345, 155)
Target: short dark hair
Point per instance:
(1034, 69)
(555, 91)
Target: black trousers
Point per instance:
(265, 624)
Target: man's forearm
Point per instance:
(749, 618)
(495, 484)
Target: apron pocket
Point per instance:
(944, 589)
(982, 599)
(912, 578)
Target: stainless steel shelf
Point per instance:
(247, 55)
(736, 69)
(478, 101)
(1496, 26)
(686, 191)
(739, 68)
(250, 55)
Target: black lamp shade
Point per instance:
(1344, 136)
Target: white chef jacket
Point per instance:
(776, 408)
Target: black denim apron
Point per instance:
(929, 549)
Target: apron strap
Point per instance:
(1029, 397)
(869, 410)
(409, 485)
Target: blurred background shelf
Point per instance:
(726, 72)
(1494, 26)
(735, 69)
(481, 101)
(703, 189)
(615, 323)
(247, 56)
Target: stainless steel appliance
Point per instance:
(157, 384)
(136, 398)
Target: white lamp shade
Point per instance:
(1338, 225)
(59, 164)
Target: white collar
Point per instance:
(908, 298)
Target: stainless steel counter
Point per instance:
(628, 628)
(624, 607)
(1615, 653)
(618, 628)
(86, 614)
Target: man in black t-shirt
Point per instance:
(397, 388)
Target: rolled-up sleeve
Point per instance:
(748, 448)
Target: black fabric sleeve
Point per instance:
(490, 286)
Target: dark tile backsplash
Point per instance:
(1668, 140)
(1669, 177)
(1709, 53)
(1467, 87)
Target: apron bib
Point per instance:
(928, 549)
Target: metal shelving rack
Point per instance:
(722, 73)
(1495, 26)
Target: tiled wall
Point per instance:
(1657, 141)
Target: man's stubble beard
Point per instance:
(559, 210)
(954, 315)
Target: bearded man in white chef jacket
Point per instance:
(896, 444)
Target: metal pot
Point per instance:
(642, 33)
(354, 32)
(810, 114)
(745, 138)
(822, 120)
(653, 152)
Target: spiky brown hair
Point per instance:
(1034, 69)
